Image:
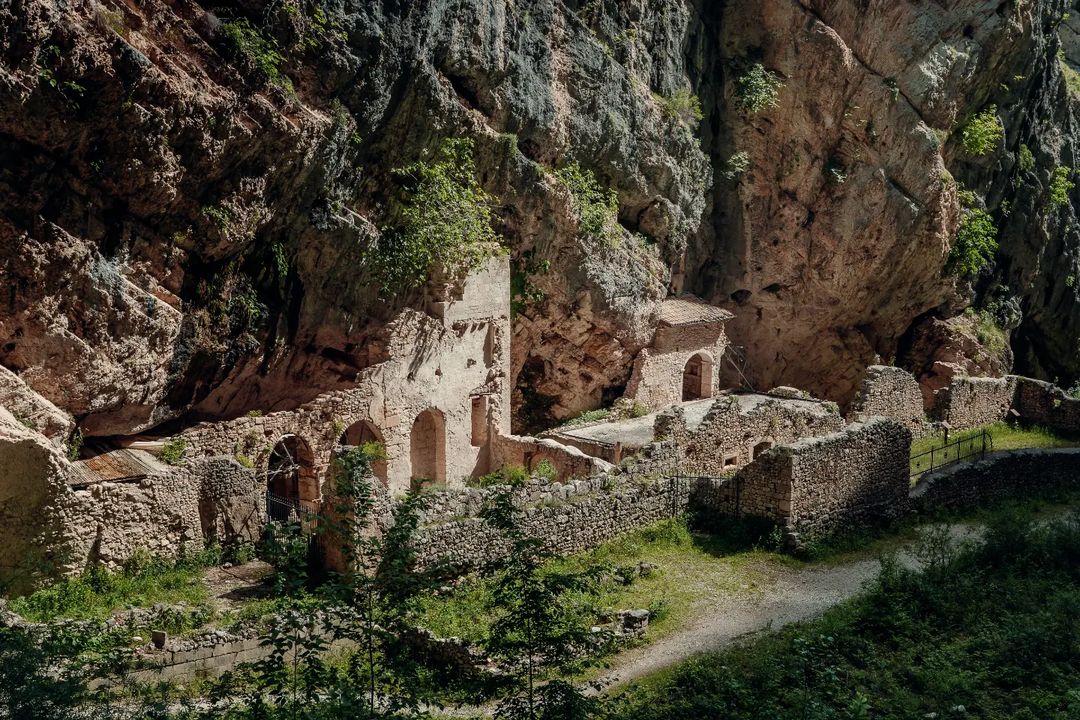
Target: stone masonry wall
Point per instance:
(999, 476)
(973, 401)
(569, 462)
(730, 434)
(212, 500)
(817, 486)
(1042, 403)
(656, 380)
(891, 392)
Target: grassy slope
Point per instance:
(989, 632)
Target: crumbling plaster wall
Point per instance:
(438, 360)
(656, 380)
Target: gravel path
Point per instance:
(790, 595)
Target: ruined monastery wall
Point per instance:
(973, 401)
(656, 380)
(890, 392)
(1017, 473)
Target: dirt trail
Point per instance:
(789, 596)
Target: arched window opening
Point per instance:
(292, 490)
(363, 432)
(762, 447)
(427, 445)
(697, 379)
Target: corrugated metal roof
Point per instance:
(114, 465)
(690, 310)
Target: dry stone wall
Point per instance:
(569, 461)
(1042, 403)
(892, 392)
(818, 486)
(973, 401)
(1007, 474)
(731, 435)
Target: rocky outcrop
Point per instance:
(194, 195)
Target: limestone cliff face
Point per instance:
(186, 231)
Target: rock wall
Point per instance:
(891, 392)
(736, 429)
(1018, 473)
(818, 486)
(973, 401)
(1041, 403)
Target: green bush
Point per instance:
(73, 445)
(974, 246)
(757, 89)
(1060, 186)
(596, 207)
(1025, 159)
(512, 475)
(736, 165)
(440, 219)
(546, 471)
(983, 133)
(172, 452)
(589, 416)
(256, 51)
(683, 106)
(1072, 79)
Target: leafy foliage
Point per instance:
(736, 165)
(975, 244)
(596, 207)
(441, 217)
(983, 133)
(256, 51)
(1025, 159)
(684, 106)
(172, 452)
(1061, 185)
(985, 631)
(757, 89)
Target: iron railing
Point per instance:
(281, 509)
(727, 489)
(963, 448)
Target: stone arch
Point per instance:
(427, 447)
(697, 377)
(290, 477)
(760, 446)
(361, 432)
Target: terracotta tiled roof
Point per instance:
(690, 310)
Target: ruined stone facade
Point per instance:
(739, 428)
(683, 361)
(1017, 473)
(972, 401)
(887, 391)
(436, 404)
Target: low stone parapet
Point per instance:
(1015, 473)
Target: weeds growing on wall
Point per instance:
(684, 106)
(440, 218)
(172, 452)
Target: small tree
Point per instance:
(537, 626)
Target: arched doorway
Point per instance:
(290, 480)
(362, 432)
(427, 448)
(697, 378)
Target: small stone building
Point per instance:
(683, 361)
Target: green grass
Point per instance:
(97, 593)
(987, 631)
(1006, 437)
(688, 570)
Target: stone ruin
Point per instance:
(439, 404)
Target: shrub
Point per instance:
(757, 89)
(512, 475)
(1025, 159)
(442, 218)
(1060, 186)
(220, 216)
(596, 207)
(172, 453)
(1072, 78)
(983, 133)
(256, 51)
(736, 165)
(73, 445)
(546, 471)
(683, 106)
(974, 246)
(589, 416)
